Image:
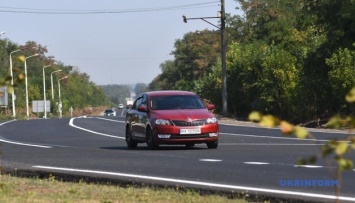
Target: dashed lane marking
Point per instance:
(211, 160)
(257, 163)
(308, 166)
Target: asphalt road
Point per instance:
(250, 159)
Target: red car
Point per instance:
(171, 117)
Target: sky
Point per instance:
(113, 41)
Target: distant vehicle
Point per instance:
(171, 117)
(129, 101)
(120, 106)
(110, 112)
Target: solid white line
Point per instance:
(257, 163)
(331, 131)
(7, 122)
(24, 144)
(208, 184)
(110, 120)
(211, 160)
(20, 143)
(283, 138)
(84, 129)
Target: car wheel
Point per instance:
(150, 141)
(212, 145)
(129, 140)
(190, 145)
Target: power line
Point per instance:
(110, 11)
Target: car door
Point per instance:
(142, 117)
(132, 116)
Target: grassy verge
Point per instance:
(15, 189)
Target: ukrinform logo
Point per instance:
(308, 183)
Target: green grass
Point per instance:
(35, 190)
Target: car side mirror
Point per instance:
(143, 108)
(210, 106)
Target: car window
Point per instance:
(176, 102)
(137, 103)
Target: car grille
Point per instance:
(192, 123)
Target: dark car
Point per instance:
(171, 117)
(110, 112)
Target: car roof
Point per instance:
(168, 92)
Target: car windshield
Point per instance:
(176, 102)
(108, 111)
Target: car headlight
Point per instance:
(162, 122)
(211, 120)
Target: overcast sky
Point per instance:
(113, 41)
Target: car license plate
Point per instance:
(190, 131)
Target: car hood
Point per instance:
(181, 114)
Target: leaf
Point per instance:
(341, 148)
(345, 164)
(21, 58)
(21, 76)
(334, 122)
(301, 133)
(255, 116)
(10, 89)
(286, 128)
(350, 97)
(312, 159)
(269, 121)
(352, 140)
(301, 162)
(327, 150)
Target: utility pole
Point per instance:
(224, 68)
(223, 52)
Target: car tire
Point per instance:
(129, 140)
(212, 145)
(190, 145)
(150, 141)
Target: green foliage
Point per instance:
(79, 93)
(117, 93)
(342, 72)
(195, 55)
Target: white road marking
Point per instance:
(110, 120)
(208, 184)
(308, 166)
(21, 143)
(257, 163)
(24, 144)
(90, 131)
(282, 138)
(332, 131)
(7, 122)
(211, 160)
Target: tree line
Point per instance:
(77, 90)
(292, 58)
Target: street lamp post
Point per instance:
(60, 99)
(52, 82)
(44, 92)
(27, 112)
(12, 83)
